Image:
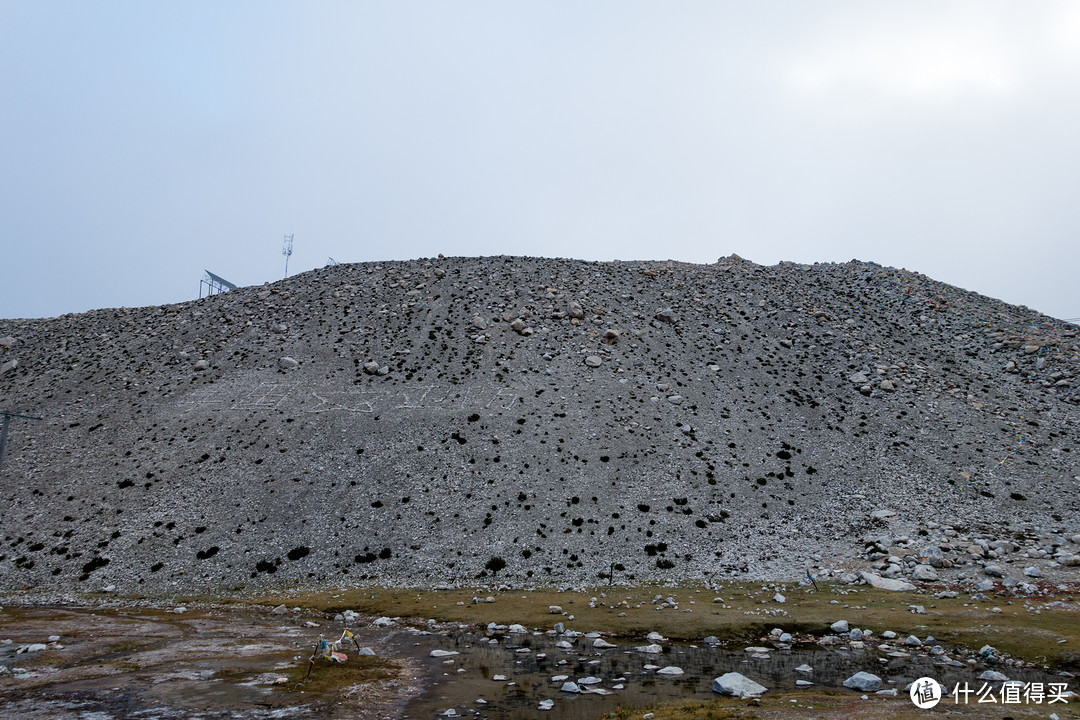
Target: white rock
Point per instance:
(443, 653)
(886, 584)
(993, 676)
(670, 670)
(736, 684)
(924, 573)
(653, 649)
(570, 687)
(863, 681)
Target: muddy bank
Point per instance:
(208, 663)
(115, 663)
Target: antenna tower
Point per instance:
(286, 250)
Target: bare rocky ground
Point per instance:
(543, 421)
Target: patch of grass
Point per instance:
(629, 612)
(329, 677)
(125, 646)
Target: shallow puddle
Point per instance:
(631, 679)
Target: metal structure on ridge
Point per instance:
(214, 284)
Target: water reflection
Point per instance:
(629, 678)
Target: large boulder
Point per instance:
(886, 584)
(736, 684)
(864, 682)
(924, 573)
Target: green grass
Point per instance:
(327, 677)
(1015, 631)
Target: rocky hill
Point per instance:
(440, 419)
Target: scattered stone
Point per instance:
(443, 653)
(863, 682)
(924, 573)
(653, 649)
(666, 315)
(887, 584)
(993, 676)
(594, 361)
(670, 670)
(736, 684)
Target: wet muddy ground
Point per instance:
(237, 663)
(138, 663)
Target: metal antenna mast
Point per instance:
(286, 250)
(4, 428)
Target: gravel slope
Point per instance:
(411, 421)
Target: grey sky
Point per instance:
(141, 142)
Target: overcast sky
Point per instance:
(143, 142)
